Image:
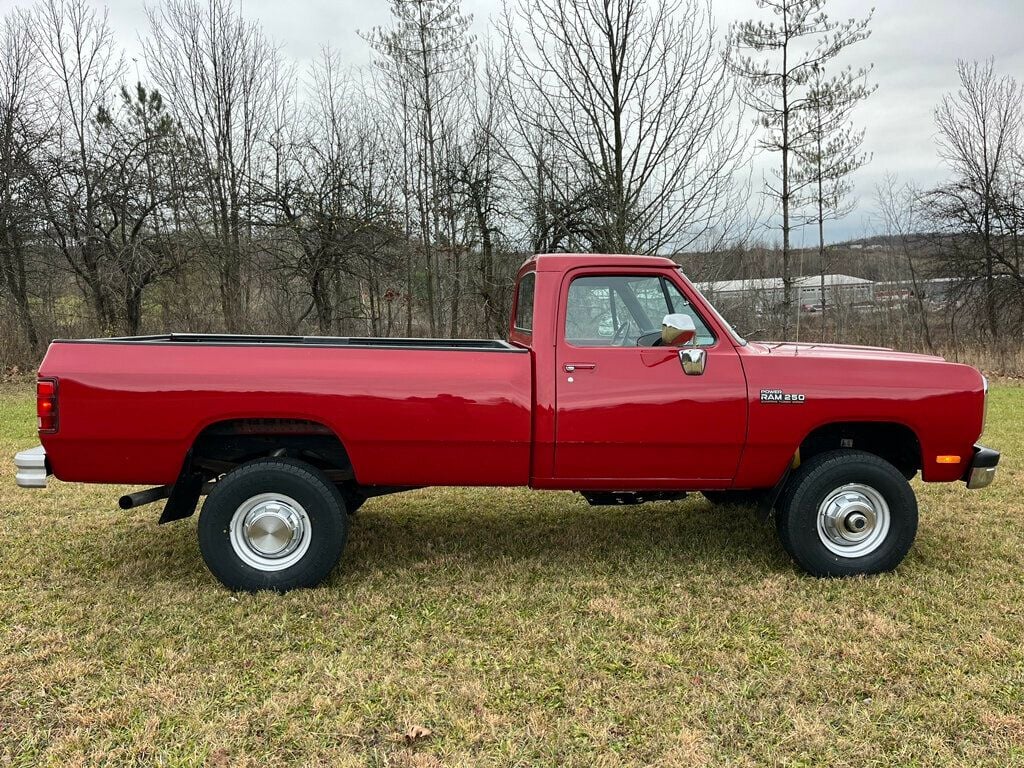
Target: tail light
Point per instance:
(46, 405)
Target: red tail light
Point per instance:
(46, 405)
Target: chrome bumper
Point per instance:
(31, 468)
(982, 471)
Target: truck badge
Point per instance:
(778, 396)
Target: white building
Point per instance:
(766, 293)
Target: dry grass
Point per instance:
(996, 360)
(520, 628)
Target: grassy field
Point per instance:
(520, 628)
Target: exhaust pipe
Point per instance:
(137, 499)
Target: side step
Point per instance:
(628, 498)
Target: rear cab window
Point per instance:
(625, 311)
(522, 316)
(524, 302)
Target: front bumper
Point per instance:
(982, 470)
(32, 470)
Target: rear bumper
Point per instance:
(31, 468)
(982, 470)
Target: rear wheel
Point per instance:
(274, 524)
(845, 513)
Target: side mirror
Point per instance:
(693, 361)
(677, 330)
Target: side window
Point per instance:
(704, 336)
(524, 302)
(651, 298)
(590, 312)
(605, 311)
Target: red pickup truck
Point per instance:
(286, 436)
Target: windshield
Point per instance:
(718, 315)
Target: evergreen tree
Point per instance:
(778, 59)
(830, 152)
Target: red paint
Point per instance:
(130, 412)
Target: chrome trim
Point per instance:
(270, 532)
(31, 468)
(693, 361)
(853, 520)
(981, 477)
(982, 470)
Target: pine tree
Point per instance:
(830, 151)
(778, 60)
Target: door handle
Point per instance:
(570, 367)
(693, 361)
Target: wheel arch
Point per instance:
(238, 439)
(892, 441)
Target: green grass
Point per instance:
(521, 628)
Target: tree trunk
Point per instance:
(322, 305)
(821, 235)
(920, 301)
(133, 311)
(12, 265)
(787, 278)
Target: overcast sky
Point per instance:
(914, 46)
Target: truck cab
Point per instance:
(613, 409)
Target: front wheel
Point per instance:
(847, 512)
(272, 524)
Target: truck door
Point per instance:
(627, 415)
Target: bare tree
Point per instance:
(425, 57)
(81, 68)
(626, 111)
(981, 141)
(778, 58)
(899, 209)
(23, 130)
(332, 195)
(139, 186)
(219, 71)
(482, 174)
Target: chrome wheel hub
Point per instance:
(853, 520)
(270, 532)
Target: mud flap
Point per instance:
(768, 502)
(184, 496)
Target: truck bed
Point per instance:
(408, 412)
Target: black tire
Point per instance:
(324, 526)
(737, 498)
(809, 487)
